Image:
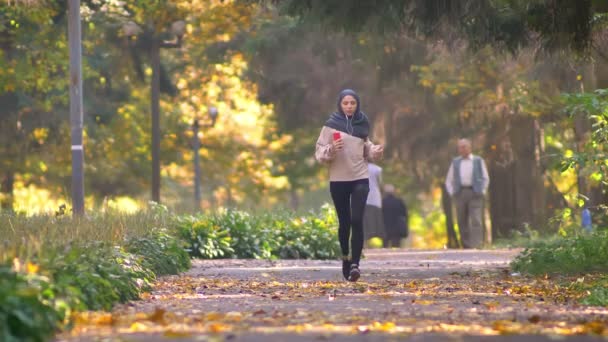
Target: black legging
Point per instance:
(349, 199)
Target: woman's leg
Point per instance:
(340, 194)
(357, 202)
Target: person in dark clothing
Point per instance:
(395, 216)
(344, 146)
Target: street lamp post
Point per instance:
(213, 113)
(178, 29)
(75, 43)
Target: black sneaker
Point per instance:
(346, 267)
(354, 273)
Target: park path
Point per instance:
(402, 295)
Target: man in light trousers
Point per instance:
(467, 182)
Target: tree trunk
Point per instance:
(529, 187)
(502, 199)
(294, 199)
(517, 192)
(6, 191)
(446, 203)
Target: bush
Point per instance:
(94, 262)
(82, 277)
(598, 296)
(249, 236)
(273, 235)
(310, 237)
(99, 275)
(205, 240)
(28, 309)
(162, 252)
(568, 255)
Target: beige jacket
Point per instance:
(350, 163)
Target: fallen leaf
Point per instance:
(234, 316)
(595, 327)
(218, 328)
(158, 316)
(214, 316)
(363, 329)
(177, 334)
(492, 305)
(138, 326)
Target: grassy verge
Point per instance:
(51, 267)
(580, 255)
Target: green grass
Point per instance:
(28, 236)
(578, 254)
(51, 266)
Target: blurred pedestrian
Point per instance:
(373, 225)
(467, 182)
(396, 218)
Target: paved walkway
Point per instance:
(402, 295)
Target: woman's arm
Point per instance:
(372, 152)
(324, 151)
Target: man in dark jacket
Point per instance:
(395, 218)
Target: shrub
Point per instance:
(272, 235)
(28, 310)
(94, 262)
(98, 274)
(568, 255)
(311, 237)
(249, 236)
(161, 252)
(205, 240)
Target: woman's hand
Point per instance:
(377, 151)
(338, 145)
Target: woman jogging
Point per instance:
(344, 145)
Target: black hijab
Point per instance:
(357, 125)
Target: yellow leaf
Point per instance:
(138, 326)
(492, 305)
(214, 316)
(177, 334)
(595, 327)
(158, 316)
(234, 316)
(386, 327)
(218, 328)
(95, 318)
(32, 268)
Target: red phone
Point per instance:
(336, 136)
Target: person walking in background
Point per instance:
(395, 216)
(467, 182)
(344, 146)
(373, 225)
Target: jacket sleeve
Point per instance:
(324, 152)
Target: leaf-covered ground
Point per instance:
(412, 295)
